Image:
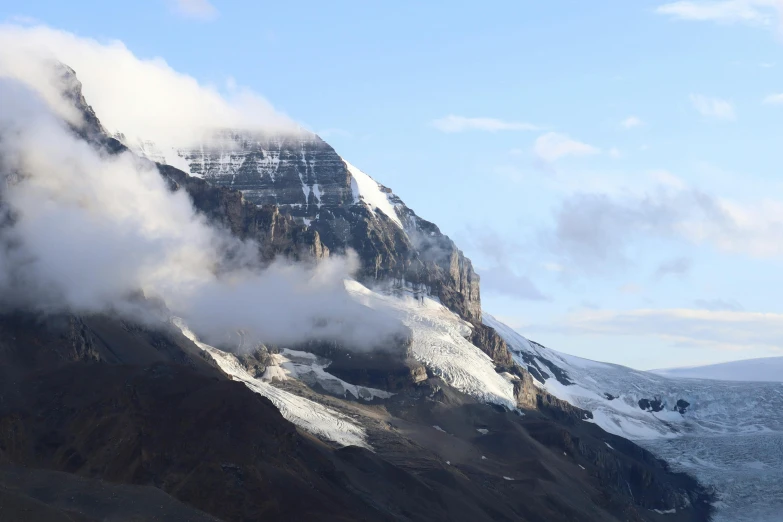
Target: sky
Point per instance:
(612, 168)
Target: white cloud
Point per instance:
(615, 153)
(91, 229)
(713, 107)
(754, 12)
(334, 133)
(142, 98)
(726, 329)
(667, 179)
(774, 99)
(553, 146)
(197, 9)
(631, 122)
(452, 124)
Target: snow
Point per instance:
(439, 429)
(767, 369)
(368, 190)
(483, 431)
(439, 342)
(308, 415)
(507, 478)
(311, 370)
(166, 156)
(730, 437)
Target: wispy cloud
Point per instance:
(334, 133)
(753, 12)
(678, 266)
(594, 232)
(727, 330)
(774, 99)
(553, 146)
(196, 9)
(713, 107)
(631, 122)
(718, 305)
(452, 124)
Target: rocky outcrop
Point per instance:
(305, 178)
(275, 232)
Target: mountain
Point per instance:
(765, 369)
(726, 433)
(104, 414)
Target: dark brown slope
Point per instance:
(184, 428)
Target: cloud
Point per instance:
(593, 231)
(713, 107)
(500, 279)
(752, 12)
(145, 99)
(196, 9)
(678, 266)
(631, 122)
(631, 289)
(717, 305)
(334, 132)
(615, 153)
(553, 146)
(83, 231)
(499, 274)
(774, 99)
(453, 124)
(725, 330)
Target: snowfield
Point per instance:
(308, 415)
(439, 342)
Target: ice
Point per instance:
(368, 190)
(440, 343)
(730, 437)
(311, 370)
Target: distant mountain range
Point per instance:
(765, 369)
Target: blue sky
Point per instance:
(611, 167)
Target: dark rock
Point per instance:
(655, 405)
(682, 406)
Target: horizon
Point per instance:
(612, 215)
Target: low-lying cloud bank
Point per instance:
(84, 231)
(142, 98)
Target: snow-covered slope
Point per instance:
(730, 434)
(370, 192)
(439, 342)
(767, 369)
(313, 417)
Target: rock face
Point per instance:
(305, 178)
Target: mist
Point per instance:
(142, 98)
(84, 231)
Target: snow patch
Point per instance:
(308, 415)
(368, 190)
(439, 342)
